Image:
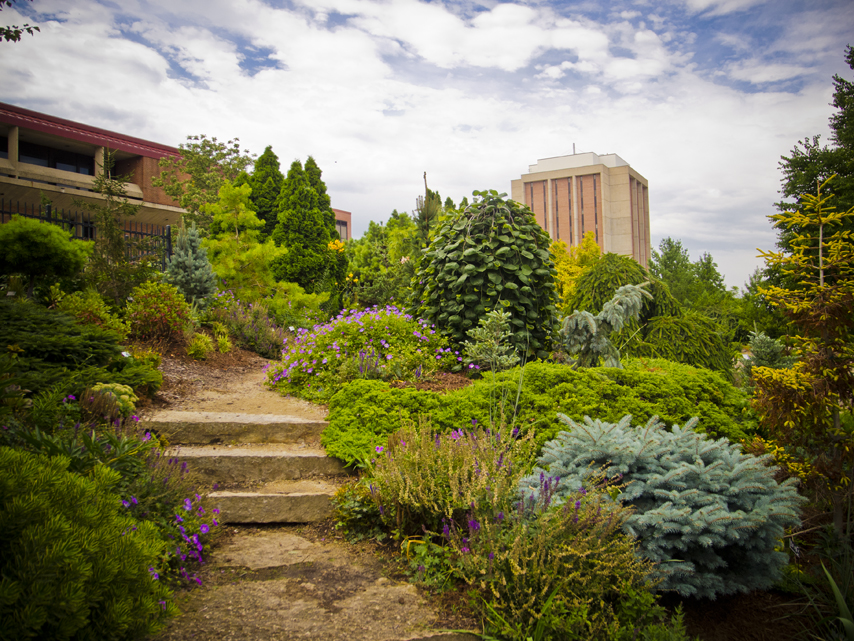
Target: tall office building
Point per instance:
(586, 192)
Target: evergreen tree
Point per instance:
(266, 183)
(811, 163)
(588, 336)
(313, 173)
(236, 253)
(190, 270)
(709, 516)
(303, 230)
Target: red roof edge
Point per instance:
(44, 123)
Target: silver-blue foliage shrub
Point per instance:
(708, 515)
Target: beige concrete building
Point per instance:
(586, 192)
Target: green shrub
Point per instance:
(89, 307)
(290, 306)
(422, 478)
(200, 346)
(122, 395)
(250, 324)
(363, 413)
(40, 250)
(491, 255)
(489, 347)
(157, 310)
(55, 350)
(709, 516)
(72, 565)
(375, 343)
(548, 572)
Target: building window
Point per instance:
(43, 156)
(341, 226)
(595, 209)
(4, 147)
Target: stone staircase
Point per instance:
(267, 468)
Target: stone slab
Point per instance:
(284, 502)
(256, 463)
(203, 428)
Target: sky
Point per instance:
(701, 97)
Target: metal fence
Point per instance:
(147, 240)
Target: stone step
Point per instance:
(302, 501)
(230, 464)
(204, 428)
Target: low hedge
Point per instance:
(364, 412)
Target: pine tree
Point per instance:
(303, 230)
(708, 515)
(190, 270)
(266, 182)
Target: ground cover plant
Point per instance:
(364, 412)
(378, 343)
(250, 324)
(708, 515)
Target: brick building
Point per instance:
(586, 192)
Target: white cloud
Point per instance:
(471, 94)
(720, 7)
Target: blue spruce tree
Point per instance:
(706, 514)
(190, 270)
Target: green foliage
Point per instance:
(588, 336)
(376, 343)
(195, 177)
(663, 330)
(266, 183)
(810, 163)
(422, 478)
(157, 310)
(290, 306)
(492, 255)
(691, 338)
(118, 262)
(238, 257)
(766, 352)
(803, 407)
(315, 180)
(250, 324)
(189, 269)
(706, 514)
(364, 413)
(489, 348)
(550, 572)
(40, 250)
(381, 264)
(122, 395)
(72, 566)
(89, 307)
(355, 512)
(200, 347)
(303, 230)
(570, 263)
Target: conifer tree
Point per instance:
(190, 270)
(302, 229)
(313, 173)
(708, 515)
(266, 183)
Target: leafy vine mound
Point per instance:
(492, 255)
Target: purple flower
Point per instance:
(474, 526)
(125, 503)
(153, 573)
(203, 528)
(146, 436)
(135, 418)
(133, 500)
(188, 505)
(178, 519)
(379, 449)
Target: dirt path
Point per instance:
(284, 582)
